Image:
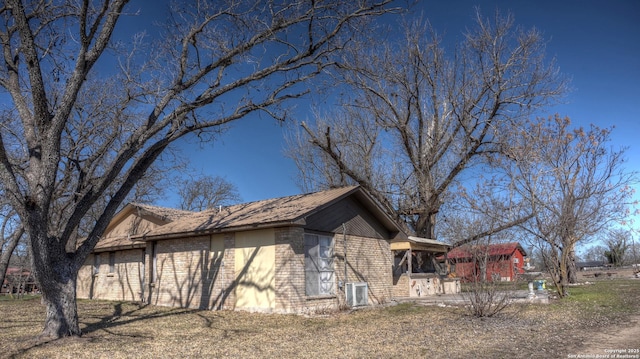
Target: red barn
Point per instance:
(501, 261)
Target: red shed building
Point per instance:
(501, 261)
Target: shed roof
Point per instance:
(418, 243)
(283, 211)
(497, 249)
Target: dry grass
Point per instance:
(126, 330)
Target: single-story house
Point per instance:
(500, 261)
(302, 253)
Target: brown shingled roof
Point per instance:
(120, 242)
(271, 212)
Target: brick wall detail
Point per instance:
(124, 283)
(368, 260)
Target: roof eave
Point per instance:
(210, 231)
(121, 247)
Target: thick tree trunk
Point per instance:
(56, 274)
(426, 226)
(59, 298)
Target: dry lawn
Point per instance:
(127, 330)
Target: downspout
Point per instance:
(144, 275)
(344, 241)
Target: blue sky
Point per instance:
(595, 43)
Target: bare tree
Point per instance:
(576, 185)
(634, 253)
(486, 297)
(84, 124)
(617, 246)
(417, 119)
(197, 194)
(595, 253)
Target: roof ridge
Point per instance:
(266, 200)
(140, 204)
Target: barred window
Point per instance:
(318, 262)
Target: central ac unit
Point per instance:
(357, 294)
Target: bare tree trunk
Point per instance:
(563, 281)
(56, 275)
(59, 299)
(426, 225)
(572, 274)
(12, 243)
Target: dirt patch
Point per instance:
(620, 340)
(607, 273)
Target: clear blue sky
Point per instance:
(596, 44)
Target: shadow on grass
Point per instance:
(120, 316)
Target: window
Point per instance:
(112, 262)
(318, 265)
(96, 263)
(516, 260)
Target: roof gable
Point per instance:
(135, 220)
(155, 214)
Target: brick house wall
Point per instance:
(84, 284)
(227, 294)
(178, 278)
(368, 260)
(198, 272)
(191, 272)
(289, 271)
(124, 283)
